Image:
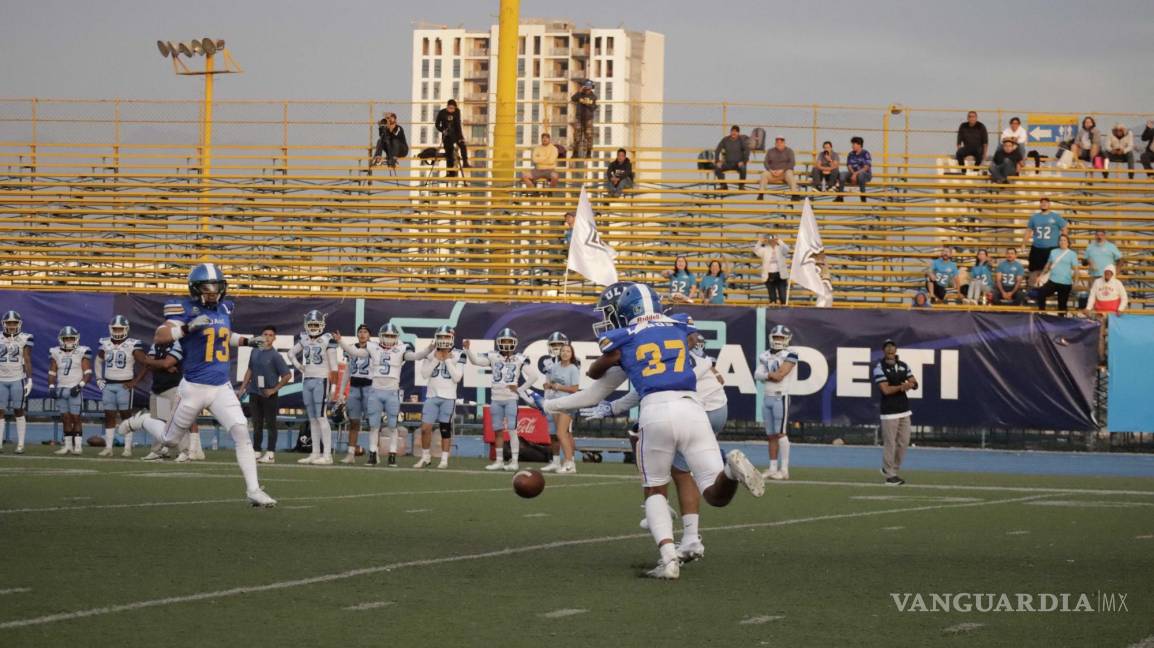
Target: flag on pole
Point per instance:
(588, 254)
(803, 270)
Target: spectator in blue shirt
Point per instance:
(682, 282)
(859, 168)
(943, 279)
(1100, 254)
(1061, 267)
(1010, 286)
(921, 299)
(570, 217)
(1042, 232)
(981, 279)
(712, 285)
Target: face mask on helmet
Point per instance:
(118, 333)
(444, 340)
(11, 326)
(506, 344)
(69, 342)
(389, 340)
(314, 325)
(778, 342)
(209, 292)
(698, 349)
(555, 349)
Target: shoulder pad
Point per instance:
(105, 340)
(613, 339)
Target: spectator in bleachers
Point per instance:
(1058, 275)
(711, 286)
(774, 254)
(584, 109)
(981, 279)
(1100, 254)
(942, 279)
(1120, 147)
(826, 175)
(1042, 232)
(1147, 158)
(973, 140)
(619, 175)
(859, 168)
(732, 155)
(448, 124)
(391, 143)
(1010, 281)
(682, 282)
(779, 163)
(544, 164)
(1007, 162)
(1087, 142)
(569, 218)
(921, 299)
(1016, 133)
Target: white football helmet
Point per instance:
(12, 323)
(444, 337)
(118, 328)
(389, 335)
(68, 338)
(779, 337)
(557, 341)
(506, 340)
(314, 323)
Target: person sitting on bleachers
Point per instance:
(859, 168)
(1010, 281)
(1008, 161)
(1120, 147)
(1087, 142)
(973, 140)
(981, 279)
(391, 144)
(619, 175)
(544, 164)
(779, 163)
(1015, 132)
(732, 154)
(1147, 158)
(826, 175)
(942, 280)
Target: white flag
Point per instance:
(803, 269)
(588, 254)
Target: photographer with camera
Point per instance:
(449, 124)
(392, 143)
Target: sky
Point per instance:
(1059, 55)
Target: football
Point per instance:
(528, 483)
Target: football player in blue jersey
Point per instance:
(639, 342)
(203, 324)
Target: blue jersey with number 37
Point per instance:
(655, 354)
(207, 354)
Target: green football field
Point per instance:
(126, 553)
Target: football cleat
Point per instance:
(496, 465)
(77, 450)
(107, 452)
(309, 459)
(666, 570)
(690, 551)
(267, 458)
(196, 455)
(567, 468)
(745, 472)
(63, 450)
(260, 498)
(156, 456)
(423, 463)
(552, 466)
(19, 449)
(392, 460)
(780, 475)
(444, 463)
(127, 453)
(372, 459)
(183, 458)
(511, 466)
(349, 459)
(323, 460)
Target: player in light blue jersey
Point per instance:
(653, 352)
(203, 324)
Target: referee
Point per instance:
(894, 378)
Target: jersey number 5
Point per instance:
(650, 354)
(217, 344)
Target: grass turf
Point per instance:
(811, 564)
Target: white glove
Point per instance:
(600, 410)
(102, 383)
(27, 387)
(256, 342)
(199, 323)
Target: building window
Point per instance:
(520, 134)
(536, 134)
(478, 133)
(436, 90)
(437, 68)
(536, 90)
(521, 46)
(456, 89)
(608, 113)
(536, 113)
(609, 46)
(424, 68)
(597, 136)
(424, 89)
(608, 68)
(456, 47)
(597, 46)
(520, 89)
(424, 47)
(537, 45)
(607, 93)
(456, 68)
(521, 67)
(437, 47)
(424, 112)
(424, 134)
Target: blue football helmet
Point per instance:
(779, 337)
(12, 323)
(557, 340)
(638, 301)
(207, 284)
(506, 340)
(314, 323)
(69, 337)
(444, 337)
(118, 328)
(606, 308)
(389, 335)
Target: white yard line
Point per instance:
(428, 562)
(759, 620)
(15, 590)
(316, 498)
(562, 613)
(371, 605)
(962, 628)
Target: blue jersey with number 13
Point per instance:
(207, 354)
(655, 354)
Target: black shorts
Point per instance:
(1039, 257)
(938, 291)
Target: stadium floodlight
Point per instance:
(208, 46)
(897, 109)
(184, 50)
(195, 47)
(163, 47)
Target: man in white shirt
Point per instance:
(774, 255)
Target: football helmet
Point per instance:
(338, 415)
(314, 323)
(12, 323)
(698, 348)
(506, 340)
(118, 328)
(68, 338)
(556, 341)
(389, 335)
(779, 337)
(207, 284)
(444, 337)
(606, 308)
(638, 301)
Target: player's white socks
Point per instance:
(660, 522)
(194, 447)
(21, 431)
(689, 530)
(127, 440)
(783, 446)
(3, 424)
(773, 464)
(426, 454)
(327, 430)
(245, 456)
(394, 433)
(514, 445)
(109, 437)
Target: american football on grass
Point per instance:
(528, 483)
